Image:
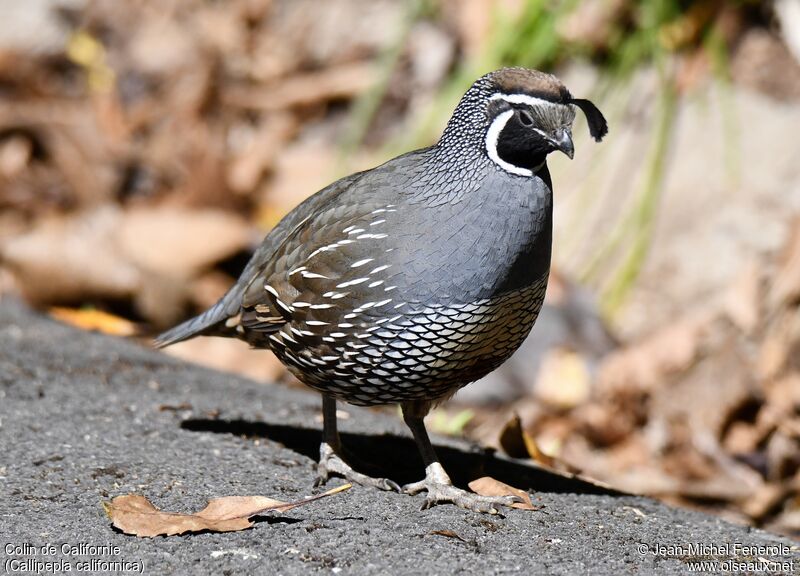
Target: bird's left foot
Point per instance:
(330, 463)
(441, 490)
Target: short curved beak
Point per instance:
(563, 142)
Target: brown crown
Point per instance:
(531, 82)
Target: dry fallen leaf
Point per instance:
(174, 407)
(511, 438)
(564, 380)
(488, 486)
(518, 443)
(136, 515)
(71, 257)
(177, 242)
(786, 286)
(649, 363)
(90, 319)
(334, 83)
(446, 533)
(743, 299)
(230, 355)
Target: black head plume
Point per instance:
(598, 127)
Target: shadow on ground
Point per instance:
(396, 457)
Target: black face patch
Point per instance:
(519, 143)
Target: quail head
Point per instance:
(403, 283)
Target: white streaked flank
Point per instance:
(305, 274)
(361, 262)
(352, 282)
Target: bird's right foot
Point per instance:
(330, 463)
(440, 490)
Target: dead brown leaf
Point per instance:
(180, 242)
(15, 155)
(564, 380)
(765, 500)
(230, 355)
(488, 486)
(97, 320)
(70, 258)
(776, 349)
(116, 253)
(174, 407)
(511, 440)
(647, 364)
(257, 153)
(518, 443)
(136, 515)
(317, 87)
(536, 453)
(591, 22)
(446, 533)
(786, 287)
(742, 303)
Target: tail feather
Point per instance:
(206, 323)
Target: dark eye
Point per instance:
(525, 117)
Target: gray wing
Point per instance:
(219, 320)
(339, 253)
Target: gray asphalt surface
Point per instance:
(83, 419)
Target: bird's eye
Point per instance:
(525, 117)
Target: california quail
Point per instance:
(403, 283)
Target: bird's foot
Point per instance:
(330, 463)
(440, 490)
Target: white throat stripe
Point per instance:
(492, 135)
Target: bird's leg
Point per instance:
(437, 483)
(329, 460)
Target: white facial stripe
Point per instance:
(492, 136)
(523, 99)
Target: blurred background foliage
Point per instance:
(146, 146)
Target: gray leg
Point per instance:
(329, 460)
(437, 483)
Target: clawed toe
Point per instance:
(443, 493)
(440, 490)
(330, 463)
(414, 488)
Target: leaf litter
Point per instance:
(488, 486)
(136, 515)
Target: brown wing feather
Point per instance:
(331, 253)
